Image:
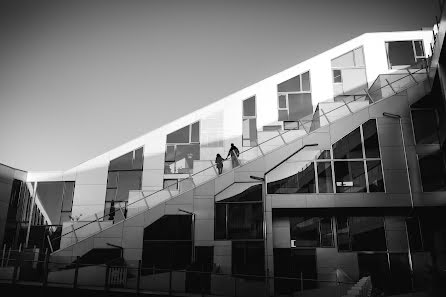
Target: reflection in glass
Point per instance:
(432, 172)
(326, 231)
(374, 173)
(425, 125)
(349, 147)
(305, 231)
(299, 105)
(291, 85)
(325, 178)
(245, 220)
(179, 136)
(350, 177)
(371, 139)
(249, 107)
(361, 234)
(302, 182)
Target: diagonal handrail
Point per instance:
(280, 135)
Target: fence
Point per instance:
(132, 277)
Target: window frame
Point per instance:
(249, 118)
(301, 91)
(414, 52)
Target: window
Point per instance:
(414, 234)
(67, 202)
(349, 74)
(432, 171)
(311, 232)
(425, 125)
(249, 135)
(290, 125)
(361, 234)
(374, 174)
(325, 178)
(294, 98)
(248, 258)
(404, 54)
(124, 175)
(349, 147)
(350, 177)
(172, 184)
(241, 216)
(183, 147)
(302, 182)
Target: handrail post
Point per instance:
(74, 232)
(390, 85)
(368, 95)
(97, 220)
(76, 272)
(138, 278)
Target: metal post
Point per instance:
(49, 243)
(283, 139)
(170, 281)
(76, 272)
(138, 278)
(74, 232)
(411, 75)
(97, 220)
(390, 85)
(45, 269)
(407, 164)
(215, 169)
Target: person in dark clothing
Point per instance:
(234, 152)
(219, 162)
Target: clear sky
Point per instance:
(78, 78)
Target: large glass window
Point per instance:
(432, 169)
(324, 176)
(425, 125)
(349, 147)
(249, 122)
(361, 234)
(404, 54)
(294, 98)
(311, 232)
(183, 147)
(124, 175)
(302, 182)
(350, 177)
(241, 216)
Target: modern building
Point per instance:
(341, 174)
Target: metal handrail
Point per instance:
(257, 146)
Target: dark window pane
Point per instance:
(220, 221)
(376, 266)
(124, 162)
(112, 179)
(300, 105)
(419, 48)
(195, 136)
(128, 180)
(346, 60)
(414, 234)
(185, 156)
(350, 176)
(337, 76)
(349, 147)
(326, 231)
(170, 227)
(282, 101)
(245, 221)
(325, 154)
(374, 172)
(172, 184)
(306, 81)
(166, 255)
(343, 234)
(170, 153)
(50, 197)
(367, 234)
(371, 143)
(305, 231)
(290, 125)
(110, 194)
(179, 136)
(432, 172)
(272, 128)
(169, 167)
(302, 182)
(138, 159)
(248, 258)
(249, 107)
(325, 178)
(252, 194)
(401, 279)
(425, 126)
(400, 53)
(283, 115)
(291, 85)
(68, 194)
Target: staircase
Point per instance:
(143, 209)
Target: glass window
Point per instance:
(122, 163)
(170, 153)
(138, 159)
(325, 154)
(282, 101)
(343, 234)
(170, 227)
(112, 179)
(290, 125)
(179, 136)
(50, 195)
(272, 128)
(111, 194)
(367, 234)
(350, 176)
(299, 105)
(68, 194)
(220, 221)
(349, 147)
(432, 172)
(248, 258)
(195, 135)
(425, 126)
(249, 132)
(128, 180)
(172, 184)
(371, 143)
(302, 182)
(249, 107)
(283, 115)
(359, 57)
(414, 234)
(185, 156)
(245, 221)
(326, 231)
(400, 54)
(346, 60)
(337, 76)
(291, 85)
(374, 173)
(419, 49)
(325, 178)
(306, 81)
(305, 231)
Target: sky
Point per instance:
(78, 78)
